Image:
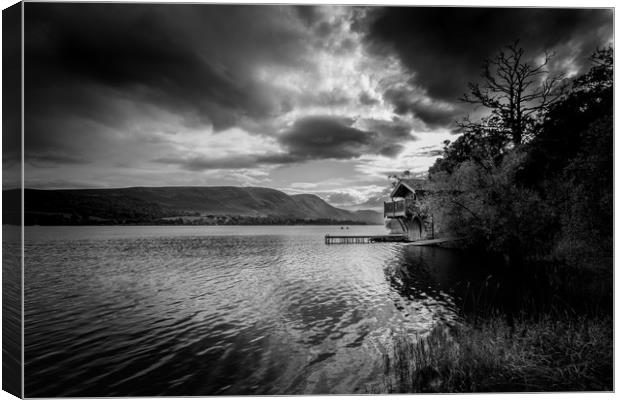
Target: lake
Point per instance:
(207, 310)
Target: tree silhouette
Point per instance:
(515, 90)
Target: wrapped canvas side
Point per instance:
(12, 228)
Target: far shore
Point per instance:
(160, 224)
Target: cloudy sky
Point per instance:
(326, 100)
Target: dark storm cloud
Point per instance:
(444, 47)
(312, 138)
(11, 89)
(367, 100)
(323, 137)
(309, 15)
(395, 130)
(127, 84)
(405, 101)
(52, 159)
(193, 60)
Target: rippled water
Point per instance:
(114, 311)
(11, 310)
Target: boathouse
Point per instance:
(406, 207)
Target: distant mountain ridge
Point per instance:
(214, 204)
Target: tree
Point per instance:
(484, 143)
(570, 163)
(561, 133)
(515, 90)
(601, 75)
(551, 197)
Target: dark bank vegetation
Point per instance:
(533, 184)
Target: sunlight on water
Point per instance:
(114, 311)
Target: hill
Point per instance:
(177, 205)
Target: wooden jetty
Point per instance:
(359, 239)
(433, 242)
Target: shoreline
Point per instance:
(219, 225)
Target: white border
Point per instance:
(461, 3)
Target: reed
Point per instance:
(546, 354)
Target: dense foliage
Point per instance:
(550, 196)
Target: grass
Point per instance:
(550, 353)
(544, 327)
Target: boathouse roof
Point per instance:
(408, 185)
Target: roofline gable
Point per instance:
(398, 185)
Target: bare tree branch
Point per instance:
(516, 89)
